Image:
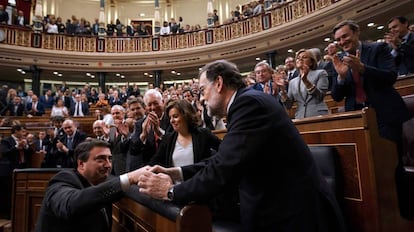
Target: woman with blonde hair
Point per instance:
(308, 89)
(59, 109)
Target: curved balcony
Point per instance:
(300, 23)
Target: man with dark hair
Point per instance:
(15, 153)
(401, 41)
(81, 199)
(302, 201)
(366, 75)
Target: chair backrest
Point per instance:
(408, 135)
(327, 160)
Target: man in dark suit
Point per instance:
(81, 199)
(401, 41)
(65, 146)
(20, 20)
(47, 99)
(17, 107)
(16, 153)
(78, 107)
(366, 75)
(263, 73)
(149, 130)
(301, 201)
(35, 108)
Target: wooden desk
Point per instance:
(368, 163)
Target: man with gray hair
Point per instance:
(150, 129)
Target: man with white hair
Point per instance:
(150, 129)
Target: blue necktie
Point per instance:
(69, 143)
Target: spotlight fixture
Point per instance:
(371, 24)
(380, 27)
(290, 50)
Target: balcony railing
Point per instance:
(279, 15)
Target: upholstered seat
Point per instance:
(327, 159)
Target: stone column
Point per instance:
(271, 57)
(157, 78)
(210, 19)
(157, 19)
(102, 81)
(101, 30)
(35, 79)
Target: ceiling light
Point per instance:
(142, 14)
(290, 51)
(92, 76)
(258, 58)
(327, 39)
(172, 71)
(178, 74)
(60, 74)
(118, 74)
(380, 27)
(371, 24)
(88, 74)
(150, 75)
(55, 73)
(19, 70)
(145, 74)
(122, 76)
(23, 72)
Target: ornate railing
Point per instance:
(284, 13)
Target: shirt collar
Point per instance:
(231, 101)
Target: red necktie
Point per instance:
(361, 97)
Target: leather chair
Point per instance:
(327, 159)
(408, 135)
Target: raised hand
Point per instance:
(340, 67)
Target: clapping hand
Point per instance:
(343, 65)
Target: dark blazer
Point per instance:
(20, 110)
(17, 22)
(378, 82)
(287, 194)
(60, 158)
(39, 107)
(118, 153)
(203, 143)
(47, 103)
(85, 108)
(144, 152)
(11, 153)
(45, 143)
(405, 57)
(72, 204)
(259, 87)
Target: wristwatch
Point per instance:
(170, 194)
